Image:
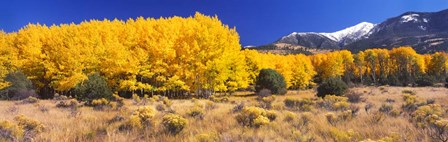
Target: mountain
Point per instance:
(426, 32)
(334, 40)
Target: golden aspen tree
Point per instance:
(8, 56)
(437, 65)
(406, 63)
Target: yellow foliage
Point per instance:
(174, 123)
(142, 117)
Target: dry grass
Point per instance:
(219, 123)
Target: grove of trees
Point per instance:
(178, 56)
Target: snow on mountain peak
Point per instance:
(409, 18)
(354, 32)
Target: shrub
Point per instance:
(331, 117)
(207, 137)
(167, 101)
(271, 80)
(306, 118)
(59, 97)
(376, 118)
(174, 123)
(425, 81)
(223, 99)
(332, 102)
(266, 102)
(253, 117)
(264, 93)
(30, 100)
(239, 107)
(161, 107)
(29, 124)
(368, 106)
(141, 118)
(290, 116)
(271, 115)
(72, 103)
(333, 86)
(100, 104)
(304, 104)
(408, 92)
(430, 101)
(118, 99)
(196, 111)
(10, 132)
(95, 87)
(354, 97)
(354, 109)
(20, 87)
(410, 102)
(136, 99)
(389, 100)
(438, 131)
(446, 82)
(209, 105)
(427, 114)
(386, 108)
(341, 136)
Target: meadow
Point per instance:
(366, 114)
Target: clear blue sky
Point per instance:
(257, 21)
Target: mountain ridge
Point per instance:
(426, 32)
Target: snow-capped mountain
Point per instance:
(329, 40)
(351, 33)
(426, 32)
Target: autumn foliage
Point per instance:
(179, 56)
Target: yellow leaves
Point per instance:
(332, 64)
(70, 82)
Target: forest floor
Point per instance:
(219, 123)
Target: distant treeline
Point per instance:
(184, 56)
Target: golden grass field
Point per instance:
(219, 122)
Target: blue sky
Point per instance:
(257, 21)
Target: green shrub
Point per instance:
(20, 87)
(446, 82)
(425, 81)
(334, 86)
(174, 123)
(272, 80)
(93, 88)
